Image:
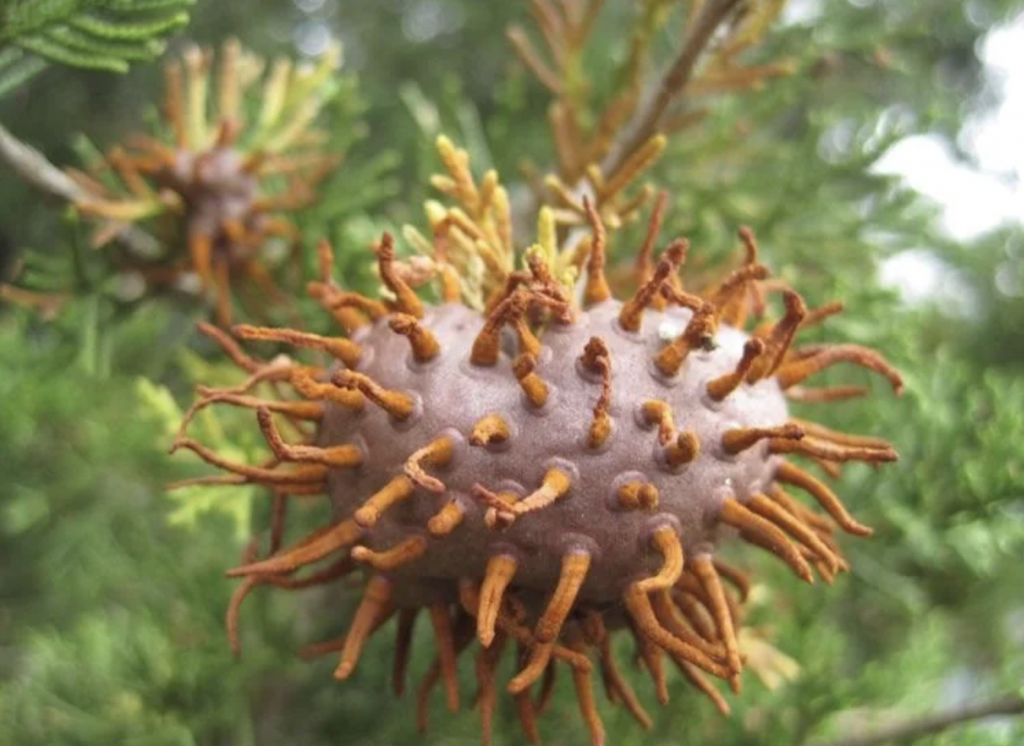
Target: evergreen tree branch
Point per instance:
(910, 730)
(33, 168)
(673, 82)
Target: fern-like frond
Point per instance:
(92, 34)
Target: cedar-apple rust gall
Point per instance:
(532, 465)
(236, 151)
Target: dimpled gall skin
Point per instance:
(452, 394)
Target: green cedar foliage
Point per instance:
(93, 34)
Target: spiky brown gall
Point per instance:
(547, 471)
(234, 161)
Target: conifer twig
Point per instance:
(33, 167)
(910, 730)
(649, 118)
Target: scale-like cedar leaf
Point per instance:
(91, 34)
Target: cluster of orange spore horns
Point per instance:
(221, 179)
(679, 608)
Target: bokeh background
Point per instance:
(887, 172)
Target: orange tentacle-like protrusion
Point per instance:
(739, 579)
(314, 547)
(340, 568)
(645, 257)
(441, 621)
(425, 346)
(536, 390)
(295, 410)
(834, 452)
(376, 600)
(334, 571)
(555, 485)
(395, 403)
(651, 655)
(819, 314)
(660, 413)
(639, 608)
(788, 503)
(395, 491)
(672, 618)
(698, 335)
(446, 520)
(574, 571)
(279, 370)
(585, 694)
(406, 551)
(673, 295)
(666, 542)
(826, 394)
(637, 495)
(704, 569)
(735, 313)
(297, 476)
(547, 688)
(757, 530)
(791, 524)
(527, 716)
(337, 457)
(597, 359)
(721, 387)
(789, 474)
(338, 299)
(700, 682)
(501, 569)
(436, 453)
(734, 284)
(230, 347)
(632, 311)
(344, 349)
(691, 603)
(740, 439)
(797, 371)
(469, 599)
(528, 341)
(814, 430)
(299, 410)
(616, 687)
(683, 450)
(304, 380)
(403, 644)
(699, 613)
(596, 289)
(679, 448)
(406, 300)
(492, 429)
(200, 249)
(487, 345)
(349, 310)
(234, 607)
(486, 675)
(779, 339)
